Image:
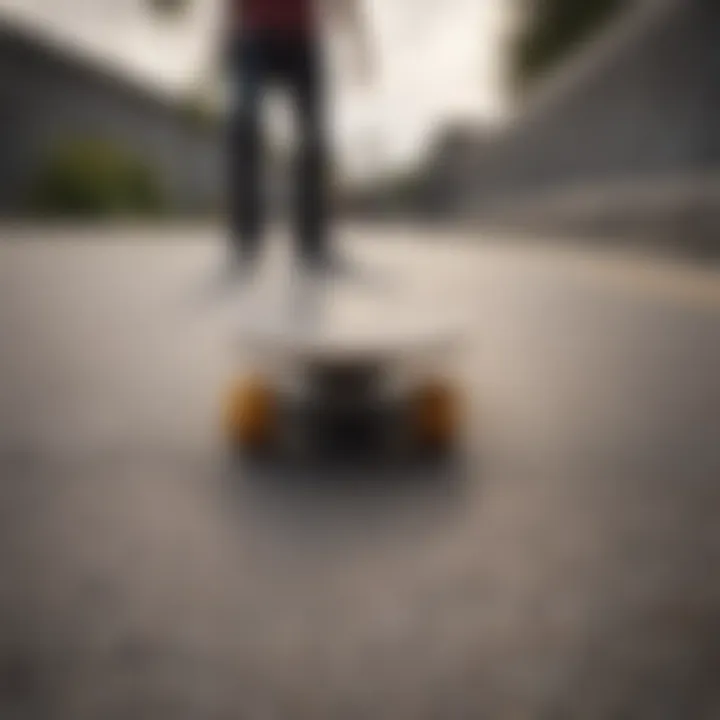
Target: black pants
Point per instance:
(295, 65)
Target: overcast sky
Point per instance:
(437, 59)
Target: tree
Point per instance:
(553, 31)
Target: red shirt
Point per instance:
(283, 16)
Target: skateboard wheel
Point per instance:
(251, 414)
(435, 415)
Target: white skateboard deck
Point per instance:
(324, 321)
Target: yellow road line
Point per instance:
(695, 286)
(663, 279)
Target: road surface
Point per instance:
(573, 574)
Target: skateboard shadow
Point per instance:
(340, 501)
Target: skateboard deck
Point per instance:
(344, 324)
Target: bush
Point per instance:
(169, 8)
(554, 30)
(96, 178)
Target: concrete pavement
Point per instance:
(571, 576)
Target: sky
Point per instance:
(435, 61)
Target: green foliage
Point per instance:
(171, 9)
(95, 178)
(554, 30)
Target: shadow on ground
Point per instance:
(364, 502)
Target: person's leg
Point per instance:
(310, 192)
(245, 149)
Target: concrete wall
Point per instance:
(641, 105)
(47, 95)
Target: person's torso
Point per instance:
(293, 17)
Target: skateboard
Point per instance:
(352, 378)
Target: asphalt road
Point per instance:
(571, 574)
